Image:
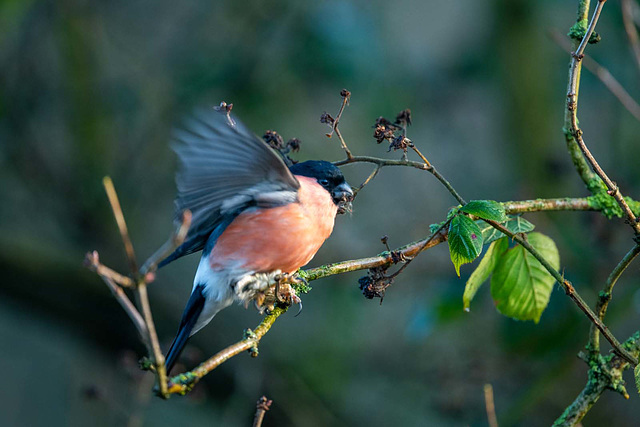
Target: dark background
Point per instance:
(93, 88)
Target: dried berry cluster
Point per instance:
(276, 142)
(374, 284)
(394, 133)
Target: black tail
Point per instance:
(189, 319)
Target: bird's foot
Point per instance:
(281, 292)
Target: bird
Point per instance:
(252, 216)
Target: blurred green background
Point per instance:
(93, 88)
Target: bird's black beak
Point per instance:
(342, 197)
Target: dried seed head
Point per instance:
(274, 140)
(381, 133)
(384, 122)
(326, 118)
(404, 117)
(294, 144)
(400, 142)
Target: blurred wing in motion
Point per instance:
(223, 170)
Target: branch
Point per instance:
(570, 291)
(605, 297)
(346, 95)
(141, 278)
(262, 407)
(92, 261)
(174, 241)
(604, 75)
(604, 373)
(183, 383)
(572, 96)
(122, 225)
(575, 68)
(418, 165)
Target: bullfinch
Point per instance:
(252, 216)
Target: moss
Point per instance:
(602, 201)
(579, 29)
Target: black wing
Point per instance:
(224, 169)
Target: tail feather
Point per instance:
(189, 319)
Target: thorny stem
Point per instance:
(606, 294)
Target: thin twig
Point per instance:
(418, 165)
(372, 175)
(346, 95)
(424, 159)
(630, 28)
(603, 75)
(605, 296)
(122, 225)
(490, 406)
(176, 239)
(381, 162)
(262, 407)
(140, 289)
(93, 262)
(158, 357)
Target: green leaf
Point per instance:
(515, 224)
(636, 373)
(465, 241)
(484, 270)
(520, 285)
(486, 209)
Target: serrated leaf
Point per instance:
(465, 241)
(515, 224)
(636, 373)
(484, 270)
(520, 285)
(487, 209)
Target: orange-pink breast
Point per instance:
(283, 238)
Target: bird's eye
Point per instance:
(324, 182)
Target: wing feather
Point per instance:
(223, 169)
